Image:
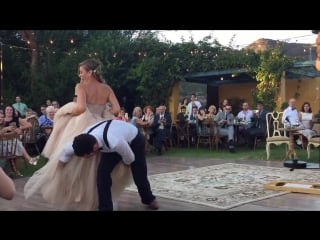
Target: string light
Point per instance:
(193, 52)
(12, 46)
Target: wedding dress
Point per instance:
(74, 187)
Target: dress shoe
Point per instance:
(232, 150)
(18, 174)
(159, 152)
(231, 147)
(153, 205)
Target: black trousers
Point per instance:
(139, 173)
(251, 133)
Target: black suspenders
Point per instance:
(90, 130)
(104, 131)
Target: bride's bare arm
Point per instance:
(7, 187)
(115, 106)
(80, 106)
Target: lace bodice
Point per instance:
(96, 109)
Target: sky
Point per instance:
(242, 38)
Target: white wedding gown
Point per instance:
(74, 187)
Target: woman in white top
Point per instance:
(305, 117)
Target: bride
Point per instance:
(74, 187)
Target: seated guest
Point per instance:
(225, 126)
(183, 103)
(148, 115)
(137, 121)
(122, 115)
(56, 105)
(46, 125)
(31, 114)
(48, 119)
(224, 103)
(245, 116)
(212, 111)
(136, 116)
(148, 119)
(259, 126)
(48, 102)
(182, 116)
(34, 131)
(161, 128)
(193, 103)
(43, 113)
(201, 114)
(182, 124)
(305, 117)
(204, 127)
(14, 126)
(193, 118)
(290, 117)
(290, 114)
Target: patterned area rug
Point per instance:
(226, 185)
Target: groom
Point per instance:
(118, 141)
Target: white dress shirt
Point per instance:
(245, 116)
(120, 135)
(291, 115)
(189, 107)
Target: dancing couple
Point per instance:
(77, 178)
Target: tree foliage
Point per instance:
(271, 67)
(41, 64)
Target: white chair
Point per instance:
(315, 141)
(275, 131)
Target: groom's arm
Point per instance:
(66, 154)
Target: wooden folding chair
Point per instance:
(47, 131)
(30, 134)
(183, 133)
(8, 147)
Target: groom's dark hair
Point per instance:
(83, 144)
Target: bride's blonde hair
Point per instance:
(95, 66)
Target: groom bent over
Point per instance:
(117, 140)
